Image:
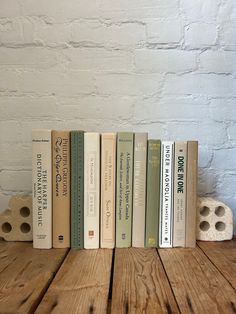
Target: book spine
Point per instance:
(139, 189)
(108, 172)
(124, 189)
(77, 189)
(166, 204)
(192, 176)
(91, 190)
(41, 187)
(61, 188)
(153, 193)
(180, 166)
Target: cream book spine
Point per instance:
(61, 188)
(91, 190)
(42, 188)
(166, 195)
(180, 166)
(139, 189)
(108, 177)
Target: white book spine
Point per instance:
(42, 188)
(166, 195)
(139, 189)
(91, 190)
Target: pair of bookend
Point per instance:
(16, 221)
(214, 220)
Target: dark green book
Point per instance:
(124, 188)
(77, 189)
(153, 193)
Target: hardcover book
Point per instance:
(42, 188)
(180, 166)
(124, 189)
(153, 193)
(61, 188)
(91, 190)
(166, 204)
(139, 189)
(192, 176)
(77, 189)
(108, 183)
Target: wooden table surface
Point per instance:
(200, 280)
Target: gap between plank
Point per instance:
(109, 301)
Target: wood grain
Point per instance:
(81, 285)
(25, 274)
(198, 286)
(140, 284)
(223, 256)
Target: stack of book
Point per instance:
(109, 190)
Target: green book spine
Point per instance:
(153, 193)
(124, 189)
(77, 189)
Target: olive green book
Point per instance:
(124, 189)
(153, 193)
(77, 189)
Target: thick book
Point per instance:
(108, 184)
(124, 189)
(42, 188)
(61, 188)
(139, 189)
(153, 193)
(91, 190)
(192, 179)
(166, 195)
(77, 189)
(180, 185)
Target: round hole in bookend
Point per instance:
(6, 227)
(220, 226)
(25, 228)
(204, 226)
(204, 211)
(220, 211)
(25, 211)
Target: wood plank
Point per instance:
(25, 274)
(223, 256)
(81, 285)
(140, 284)
(198, 286)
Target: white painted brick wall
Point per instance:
(163, 66)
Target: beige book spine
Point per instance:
(42, 188)
(61, 188)
(91, 190)
(180, 166)
(108, 177)
(192, 179)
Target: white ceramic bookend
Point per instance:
(214, 220)
(16, 222)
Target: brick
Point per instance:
(128, 84)
(232, 133)
(227, 36)
(207, 180)
(218, 61)
(9, 80)
(200, 84)
(9, 8)
(155, 129)
(147, 60)
(224, 159)
(27, 107)
(99, 34)
(13, 180)
(200, 9)
(99, 59)
(206, 154)
(223, 109)
(29, 57)
(10, 132)
(15, 155)
(194, 37)
(4, 201)
(164, 31)
(226, 184)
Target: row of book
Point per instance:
(109, 190)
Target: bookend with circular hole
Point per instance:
(214, 220)
(16, 221)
